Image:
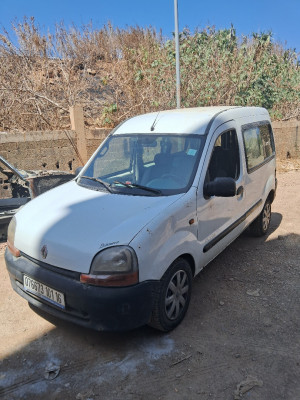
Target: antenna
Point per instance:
(154, 123)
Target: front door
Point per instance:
(219, 217)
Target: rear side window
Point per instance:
(259, 144)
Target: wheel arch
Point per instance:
(190, 259)
(271, 196)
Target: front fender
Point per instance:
(169, 235)
(156, 256)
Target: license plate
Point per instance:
(43, 291)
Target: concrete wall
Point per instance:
(38, 150)
(95, 138)
(46, 150)
(52, 150)
(287, 139)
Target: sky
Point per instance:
(247, 16)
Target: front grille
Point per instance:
(60, 271)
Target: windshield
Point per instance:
(144, 164)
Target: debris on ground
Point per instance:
(51, 371)
(243, 387)
(254, 293)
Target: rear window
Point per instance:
(259, 144)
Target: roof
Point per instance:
(183, 121)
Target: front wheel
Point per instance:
(172, 299)
(260, 225)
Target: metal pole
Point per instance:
(177, 55)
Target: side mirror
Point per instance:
(77, 170)
(220, 187)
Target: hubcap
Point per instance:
(176, 294)
(266, 216)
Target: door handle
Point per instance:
(240, 191)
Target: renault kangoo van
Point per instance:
(118, 246)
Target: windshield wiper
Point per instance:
(136, 185)
(106, 185)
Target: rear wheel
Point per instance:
(172, 299)
(260, 225)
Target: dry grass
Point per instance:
(117, 73)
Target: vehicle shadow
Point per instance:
(276, 220)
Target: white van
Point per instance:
(165, 193)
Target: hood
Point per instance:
(75, 223)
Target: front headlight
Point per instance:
(11, 237)
(11, 230)
(114, 260)
(114, 266)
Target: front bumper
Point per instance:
(100, 308)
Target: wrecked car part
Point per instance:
(21, 186)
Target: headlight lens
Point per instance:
(11, 230)
(114, 266)
(119, 259)
(11, 237)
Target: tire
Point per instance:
(260, 225)
(173, 297)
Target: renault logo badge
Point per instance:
(44, 251)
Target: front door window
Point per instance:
(225, 158)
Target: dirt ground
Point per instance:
(239, 340)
